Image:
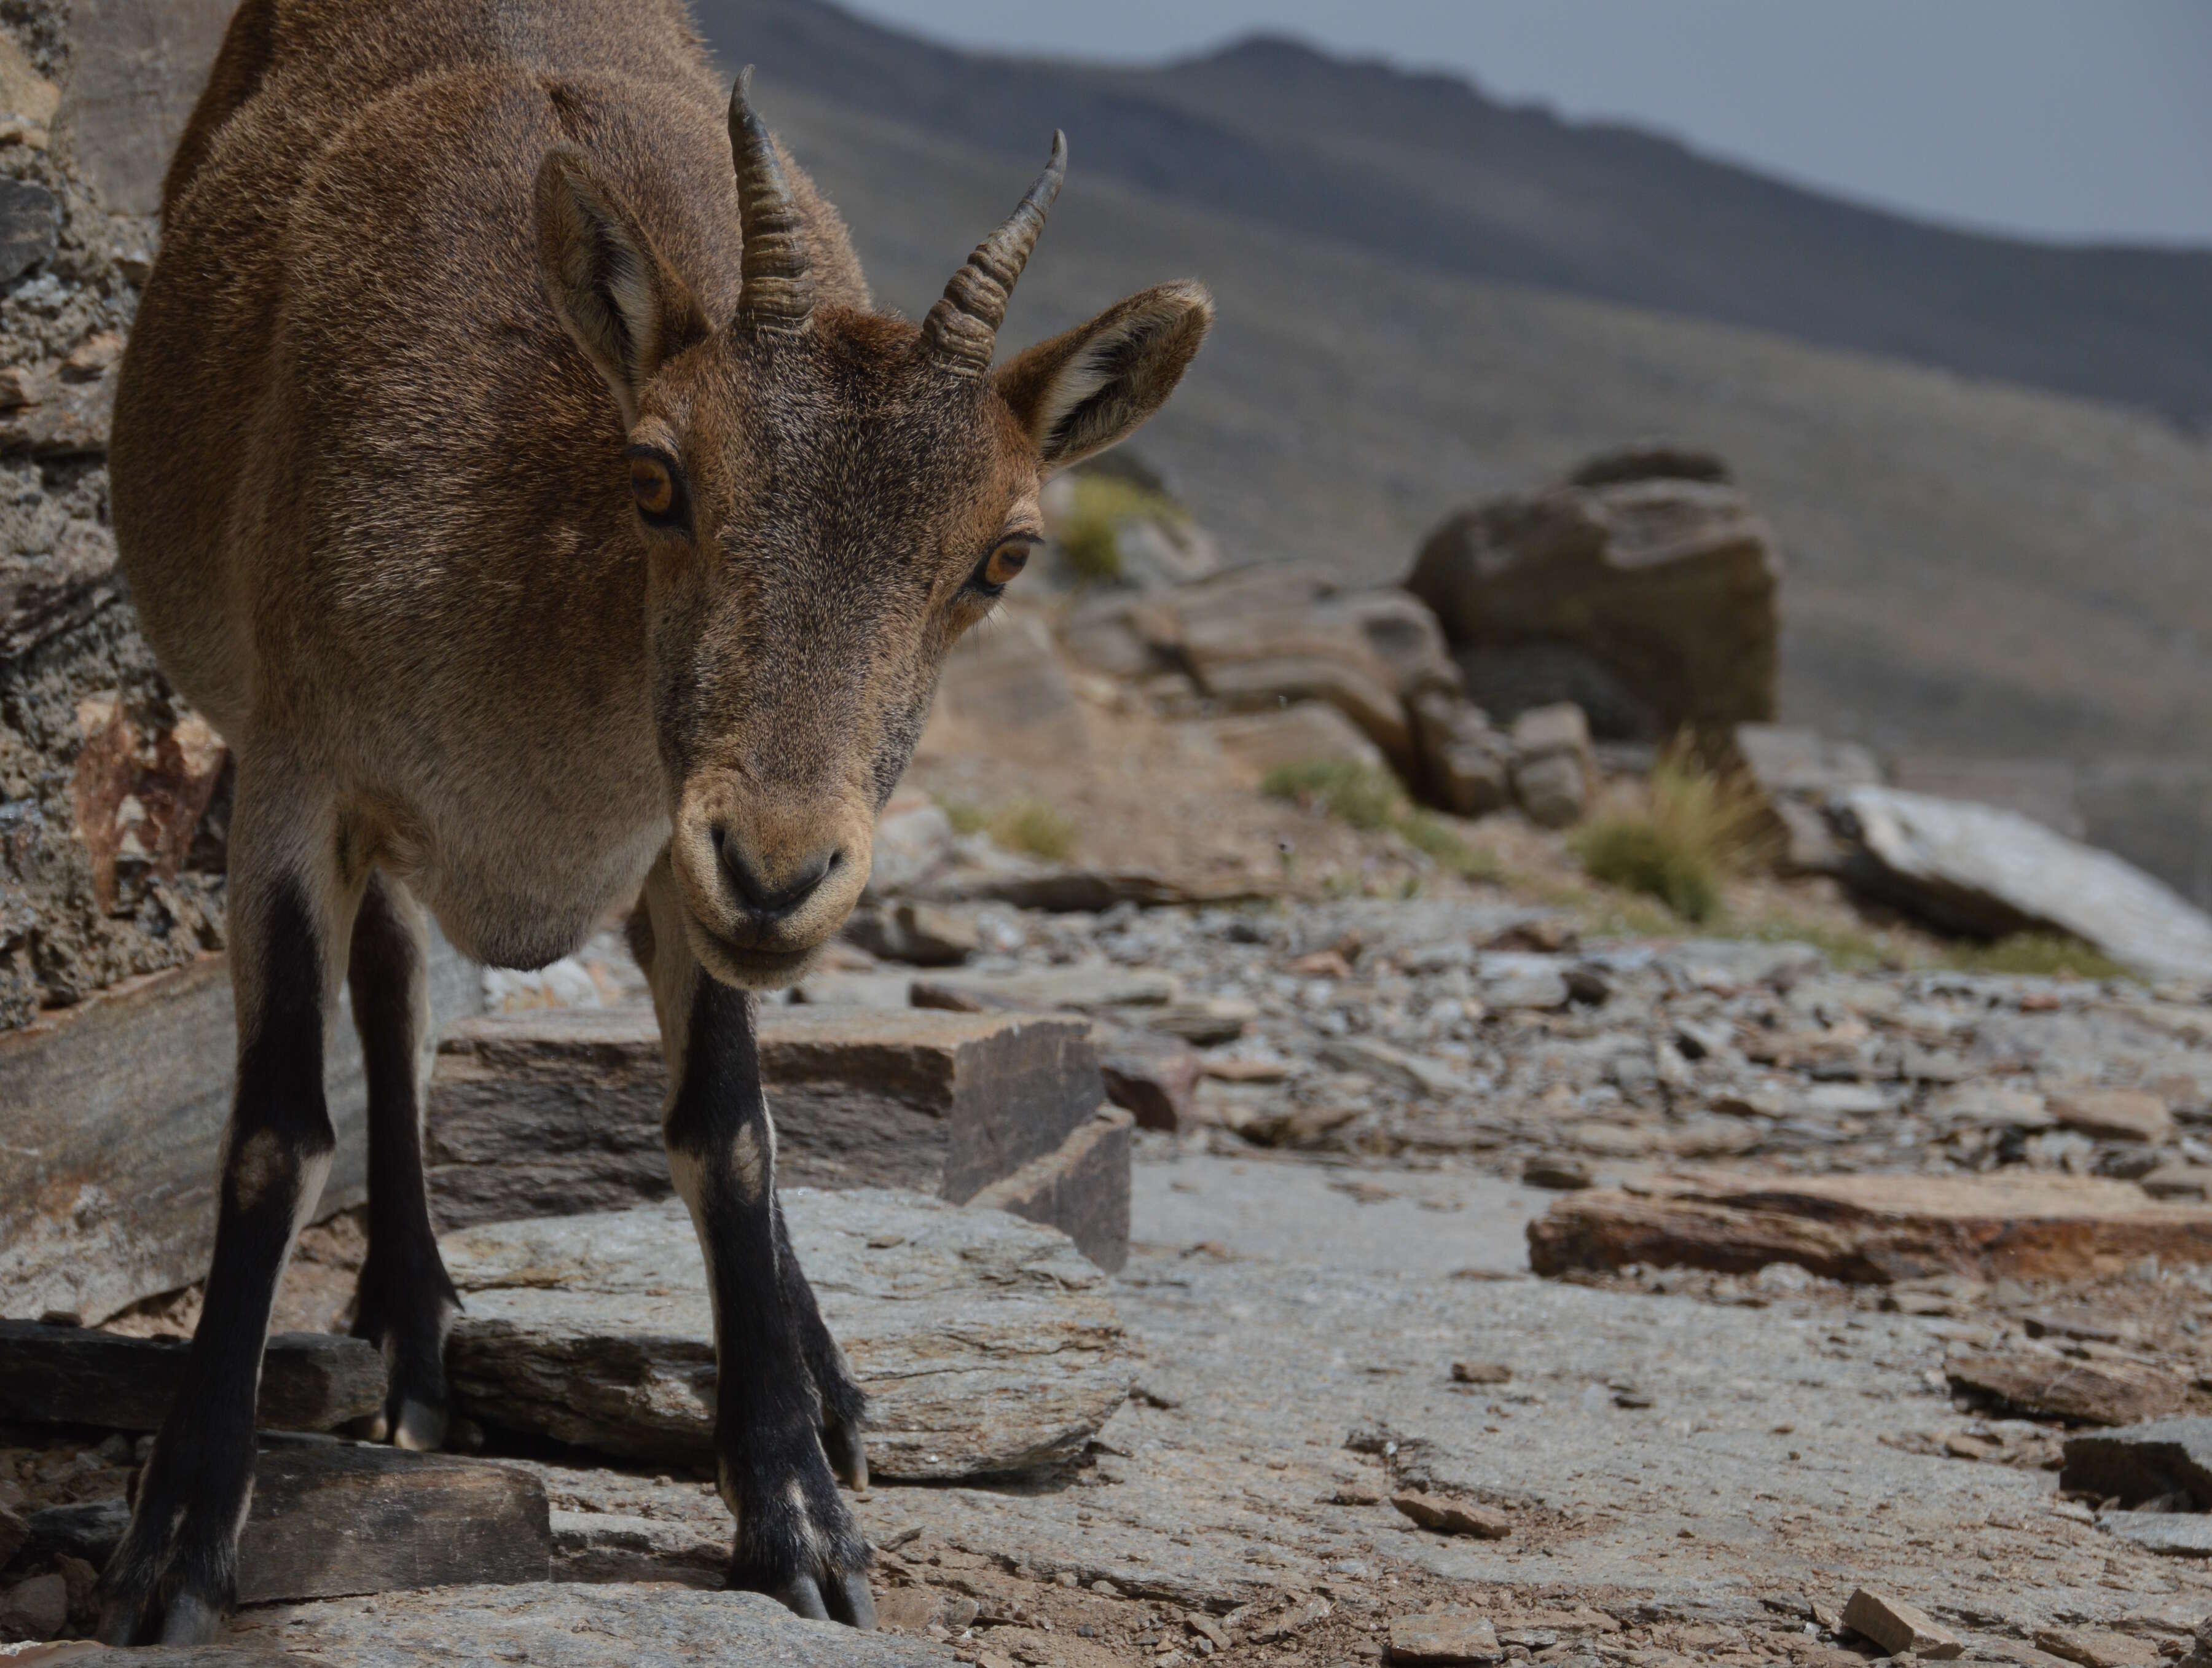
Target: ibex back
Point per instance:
(510, 462)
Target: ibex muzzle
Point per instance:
(510, 460)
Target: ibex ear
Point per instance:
(1091, 386)
(626, 308)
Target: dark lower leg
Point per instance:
(794, 1536)
(404, 1303)
(844, 1407)
(174, 1574)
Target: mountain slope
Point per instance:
(1425, 170)
(1971, 566)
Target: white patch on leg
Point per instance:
(752, 1159)
(795, 1493)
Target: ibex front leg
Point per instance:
(174, 1576)
(779, 1379)
(404, 1303)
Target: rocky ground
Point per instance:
(1703, 1472)
(1330, 1310)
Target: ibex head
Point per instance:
(827, 499)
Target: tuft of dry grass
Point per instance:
(1696, 827)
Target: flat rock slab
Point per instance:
(557, 1111)
(1444, 1639)
(986, 1345)
(71, 1375)
(2173, 1534)
(1977, 868)
(553, 1625)
(1872, 1229)
(1901, 1629)
(336, 1518)
(2042, 1384)
(331, 1518)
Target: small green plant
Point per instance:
(1425, 831)
(1369, 798)
(1848, 949)
(966, 819)
(1032, 826)
(1697, 828)
(1098, 504)
(2051, 954)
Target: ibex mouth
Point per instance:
(751, 968)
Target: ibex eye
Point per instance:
(1008, 560)
(656, 489)
(652, 485)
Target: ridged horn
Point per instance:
(778, 277)
(961, 329)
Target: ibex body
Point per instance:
(507, 459)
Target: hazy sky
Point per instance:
(2065, 118)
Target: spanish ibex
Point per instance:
(537, 505)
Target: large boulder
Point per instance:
(1976, 869)
(1643, 595)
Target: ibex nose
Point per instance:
(766, 902)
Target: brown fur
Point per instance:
(437, 276)
(372, 503)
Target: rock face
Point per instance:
(1081, 1188)
(1974, 868)
(1645, 597)
(1006, 690)
(112, 793)
(1277, 640)
(1554, 770)
(114, 1112)
(1294, 735)
(29, 214)
(986, 1345)
(137, 67)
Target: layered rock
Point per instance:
(986, 1345)
(1644, 590)
(112, 791)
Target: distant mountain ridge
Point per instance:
(1423, 167)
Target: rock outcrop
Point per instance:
(1643, 591)
(112, 791)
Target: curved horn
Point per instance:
(961, 329)
(777, 293)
